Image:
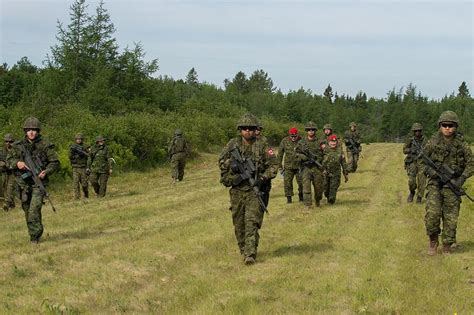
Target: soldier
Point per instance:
(266, 185)
(8, 184)
(333, 163)
(42, 151)
(311, 154)
(177, 152)
(413, 163)
(78, 155)
(447, 148)
(292, 165)
(247, 214)
(99, 166)
(353, 145)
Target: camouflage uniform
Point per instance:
(413, 165)
(247, 215)
(178, 151)
(333, 163)
(312, 174)
(78, 155)
(266, 185)
(99, 166)
(353, 150)
(442, 203)
(8, 181)
(30, 195)
(290, 163)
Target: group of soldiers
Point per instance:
(28, 163)
(248, 164)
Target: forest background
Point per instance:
(87, 84)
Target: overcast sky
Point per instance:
(373, 46)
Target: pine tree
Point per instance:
(463, 91)
(192, 78)
(328, 93)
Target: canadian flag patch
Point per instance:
(270, 151)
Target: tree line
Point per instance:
(87, 84)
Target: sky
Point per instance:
(371, 46)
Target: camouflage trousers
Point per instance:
(265, 190)
(331, 185)
(99, 183)
(7, 190)
(312, 176)
(416, 178)
(352, 160)
(290, 173)
(177, 167)
(79, 179)
(31, 202)
(247, 218)
(442, 205)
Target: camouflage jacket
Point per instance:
(4, 153)
(99, 159)
(42, 152)
(456, 154)
(333, 162)
(355, 137)
(308, 148)
(287, 156)
(78, 155)
(410, 149)
(260, 153)
(178, 145)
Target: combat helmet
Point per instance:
(178, 132)
(32, 123)
(448, 116)
(9, 137)
(310, 125)
(248, 120)
(79, 136)
(327, 126)
(416, 127)
(99, 138)
(353, 124)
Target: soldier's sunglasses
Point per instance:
(293, 136)
(447, 125)
(248, 128)
(9, 141)
(310, 129)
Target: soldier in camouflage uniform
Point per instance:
(247, 214)
(327, 132)
(310, 153)
(413, 163)
(447, 147)
(333, 163)
(8, 182)
(78, 155)
(30, 195)
(177, 152)
(266, 185)
(290, 164)
(353, 145)
(99, 166)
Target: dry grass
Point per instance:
(151, 247)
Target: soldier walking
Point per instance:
(290, 164)
(333, 163)
(31, 197)
(413, 163)
(99, 166)
(78, 155)
(8, 183)
(247, 213)
(353, 145)
(178, 151)
(447, 149)
(311, 154)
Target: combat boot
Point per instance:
(410, 196)
(318, 202)
(447, 249)
(5, 208)
(433, 245)
(288, 199)
(300, 196)
(418, 199)
(249, 260)
(86, 193)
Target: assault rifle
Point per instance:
(312, 159)
(78, 150)
(247, 171)
(354, 146)
(445, 174)
(34, 169)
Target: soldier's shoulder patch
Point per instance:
(270, 152)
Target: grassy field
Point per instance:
(153, 247)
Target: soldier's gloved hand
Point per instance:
(259, 181)
(458, 182)
(346, 177)
(234, 167)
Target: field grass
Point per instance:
(154, 247)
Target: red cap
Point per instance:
(332, 137)
(293, 131)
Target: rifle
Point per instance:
(445, 174)
(312, 159)
(35, 168)
(355, 148)
(78, 149)
(247, 171)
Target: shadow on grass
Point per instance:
(343, 188)
(301, 249)
(365, 171)
(81, 234)
(464, 247)
(354, 202)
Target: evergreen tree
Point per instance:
(192, 78)
(463, 91)
(328, 93)
(259, 81)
